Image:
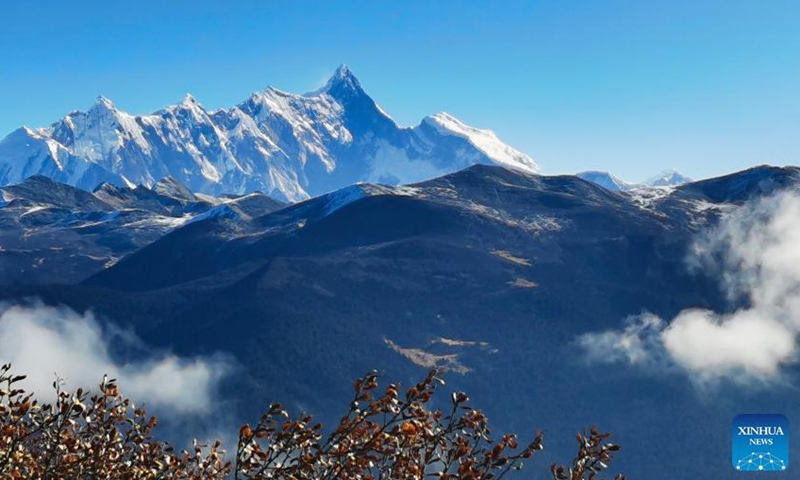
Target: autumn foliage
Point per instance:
(385, 434)
(102, 436)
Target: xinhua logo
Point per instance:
(760, 443)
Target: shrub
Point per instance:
(383, 436)
(103, 436)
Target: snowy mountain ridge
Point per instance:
(289, 146)
(668, 178)
(606, 180)
(609, 181)
(53, 232)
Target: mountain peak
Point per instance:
(607, 180)
(103, 103)
(482, 139)
(38, 179)
(343, 71)
(668, 178)
(191, 104)
(169, 186)
(189, 100)
(342, 81)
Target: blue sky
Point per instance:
(706, 87)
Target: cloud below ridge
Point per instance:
(45, 342)
(755, 252)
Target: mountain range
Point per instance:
(311, 239)
(56, 233)
(490, 273)
(667, 178)
(285, 145)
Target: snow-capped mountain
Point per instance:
(609, 181)
(668, 178)
(606, 180)
(286, 145)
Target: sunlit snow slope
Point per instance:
(286, 145)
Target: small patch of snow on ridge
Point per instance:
(348, 195)
(646, 197)
(345, 196)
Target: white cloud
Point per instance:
(745, 343)
(636, 344)
(44, 342)
(755, 252)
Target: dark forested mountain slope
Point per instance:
(488, 272)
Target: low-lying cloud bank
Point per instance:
(755, 251)
(46, 342)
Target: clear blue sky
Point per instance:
(706, 87)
